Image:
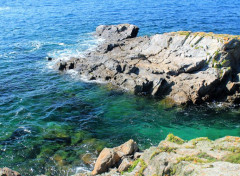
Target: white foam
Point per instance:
(36, 45)
(74, 74)
(4, 8)
(81, 170)
(85, 44)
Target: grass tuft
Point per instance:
(174, 139)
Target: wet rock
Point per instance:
(88, 158)
(49, 58)
(8, 172)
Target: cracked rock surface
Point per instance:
(179, 67)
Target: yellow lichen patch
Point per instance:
(184, 33)
(220, 37)
(232, 139)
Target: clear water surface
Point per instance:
(49, 121)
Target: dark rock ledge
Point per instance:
(178, 67)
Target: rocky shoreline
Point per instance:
(178, 67)
(173, 157)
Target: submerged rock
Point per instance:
(183, 67)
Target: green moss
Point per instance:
(173, 170)
(143, 166)
(195, 141)
(167, 102)
(95, 144)
(134, 164)
(60, 157)
(78, 137)
(187, 33)
(233, 158)
(174, 139)
(206, 156)
(190, 159)
(163, 149)
(62, 154)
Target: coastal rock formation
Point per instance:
(174, 156)
(8, 172)
(121, 155)
(180, 67)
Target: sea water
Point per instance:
(56, 124)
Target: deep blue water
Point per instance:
(48, 121)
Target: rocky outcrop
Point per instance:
(179, 67)
(8, 172)
(176, 157)
(119, 156)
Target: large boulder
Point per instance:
(107, 159)
(110, 158)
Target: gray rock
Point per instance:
(182, 67)
(117, 32)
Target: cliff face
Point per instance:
(181, 67)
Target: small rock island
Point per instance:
(180, 68)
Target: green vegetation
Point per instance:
(190, 159)
(187, 33)
(206, 156)
(200, 158)
(134, 164)
(231, 149)
(167, 102)
(195, 141)
(163, 149)
(78, 137)
(175, 139)
(233, 158)
(173, 170)
(143, 166)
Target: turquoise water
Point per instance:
(49, 121)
